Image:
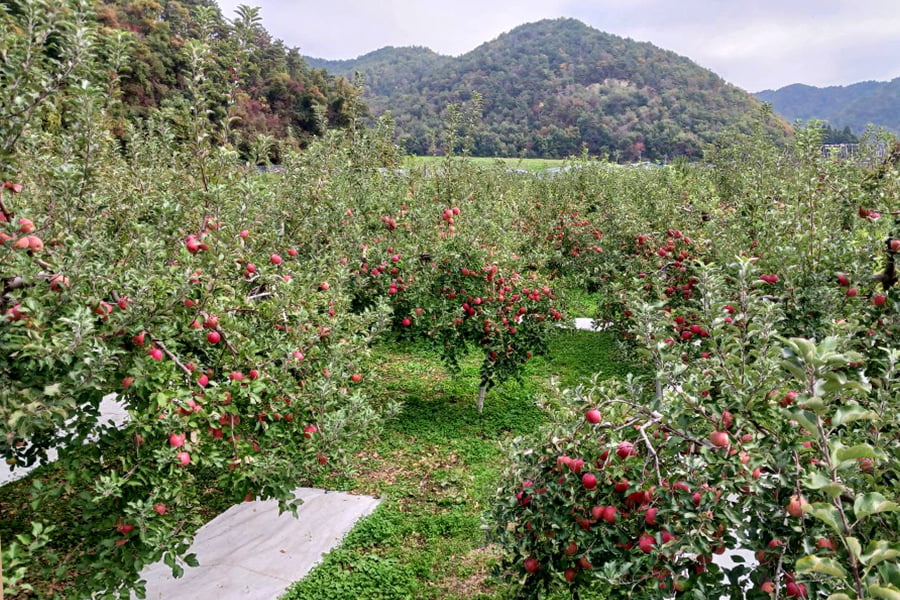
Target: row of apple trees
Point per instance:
(230, 313)
(756, 451)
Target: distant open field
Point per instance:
(529, 164)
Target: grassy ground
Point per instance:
(435, 466)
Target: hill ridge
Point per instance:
(854, 105)
(553, 87)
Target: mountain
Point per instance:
(854, 106)
(254, 86)
(552, 86)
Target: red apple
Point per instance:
(26, 225)
(624, 450)
(192, 244)
(646, 543)
(727, 419)
(58, 282)
(276, 259)
(156, 354)
(795, 590)
(160, 508)
(592, 416)
(610, 514)
(795, 505)
(213, 337)
(589, 480)
(124, 528)
(176, 440)
(532, 565)
(826, 544)
(184, 458)
(719, 439)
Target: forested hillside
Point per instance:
(184, 57)
(855, 106)
(552, 87)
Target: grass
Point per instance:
(436, 466)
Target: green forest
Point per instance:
(852, 107)
(166, 55)
(556, 88)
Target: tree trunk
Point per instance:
(481, 391)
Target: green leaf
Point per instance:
(52, 390)
(890, 572)
(191, 560)
(832, 382)
(815, 405)
(817, 564)
(805, 349)
(846, 414)
(806, 419)
(826, 513)
(872, 503)
(880, 551)
(795, 369)
(818, 481)
(839, 597)
(854, 547)
(842, 453)
(888, 592)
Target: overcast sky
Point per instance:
(755, 44)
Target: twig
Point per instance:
(652, 450)
(174, 358)
(262, 295)
(228, 344)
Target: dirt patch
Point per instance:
(477, 564)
